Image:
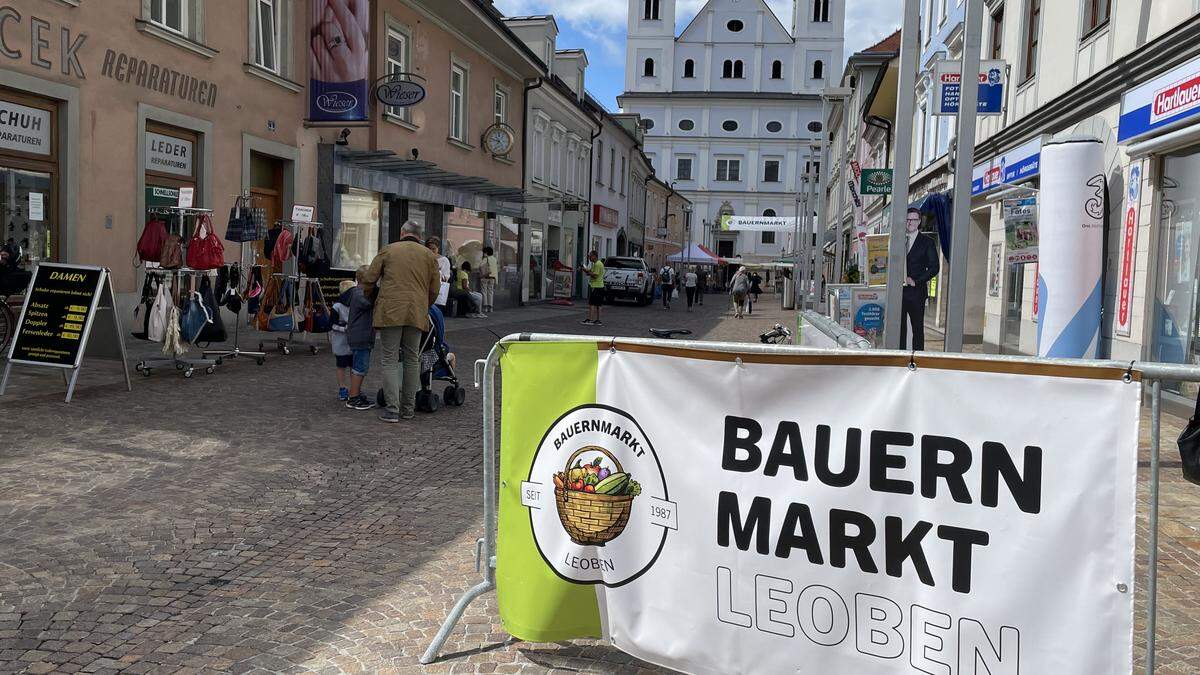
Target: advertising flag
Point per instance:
(339, 58)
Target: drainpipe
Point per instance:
(645, 210)
(530, 85)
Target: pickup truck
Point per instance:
(629, 279)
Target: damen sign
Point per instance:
(774, 527)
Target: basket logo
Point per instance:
(597, 498)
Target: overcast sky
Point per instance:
(599, 27)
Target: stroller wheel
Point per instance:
(423, 401)
(432, 402)
(455, 396)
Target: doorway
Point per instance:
(266, 193)
(1014, 296)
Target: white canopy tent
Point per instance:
(694, 255)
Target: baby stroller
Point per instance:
(435, 367)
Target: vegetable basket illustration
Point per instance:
(594, 501)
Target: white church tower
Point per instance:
(726, 104)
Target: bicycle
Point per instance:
(8, 322)
(779, 335)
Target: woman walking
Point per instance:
(739, 288)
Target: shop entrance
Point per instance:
(266, 192)
(1175, 308)
(1014, 296)
(537, 251)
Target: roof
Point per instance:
(888, 44)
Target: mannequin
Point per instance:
(921, 266)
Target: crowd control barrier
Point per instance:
(818, 330)
(1028, 560)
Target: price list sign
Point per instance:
(57, 315)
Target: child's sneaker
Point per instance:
(361, 402)
(343, 394)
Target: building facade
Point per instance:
(109, 109)
(559, 130)
(667, 217)
(612, 154)
(727, 107)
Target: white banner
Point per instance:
(1071, 249)
(825, 514)
(758, 224)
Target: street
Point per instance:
(247, 522)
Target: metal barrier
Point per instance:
(485, 378)
(833, 330)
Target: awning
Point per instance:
(696, 254)
(420, 180)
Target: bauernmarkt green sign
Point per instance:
(876, 181)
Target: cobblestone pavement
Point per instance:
(246, 522)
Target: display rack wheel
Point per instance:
(260, 360)
(145, 372)
(211, 369)
(187, 373)
(179, 366)
(139, 366)
(314, 349)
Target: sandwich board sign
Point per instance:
(69, 312)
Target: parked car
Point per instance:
(628, 279)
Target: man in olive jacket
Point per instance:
(408, 284)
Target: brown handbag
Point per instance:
(172, 253)
(270, 297)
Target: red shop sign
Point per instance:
(602, 215)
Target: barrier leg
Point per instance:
(451, 621)
(1152, 570)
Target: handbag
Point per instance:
(172, 253)
(314, 260)
(205, 250)
(266, 304)
(193, 318)
(243, 226)
(282, 252)
(150, 244)
(144, 305)
(214, 330)
(156, 323)
(322, 319)
(1189, 446)
(282, 314)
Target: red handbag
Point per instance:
(205, 250)
(283, 248)
(150, 245)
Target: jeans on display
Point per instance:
(488, 286)
(401, 365)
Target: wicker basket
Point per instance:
(592, 519)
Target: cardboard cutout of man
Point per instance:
(922, 265)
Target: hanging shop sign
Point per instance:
(876, 181)
(168, 154)
(1021, 230)
(155, 77)
(24, 129)
(399, 90)
(877, 259)
(1168, 100)
(602, 215)
(757, 223)
(1129, 237)
(784, 526)
(338, 62)
(69, 311)
(1016, 165)
(947, 79)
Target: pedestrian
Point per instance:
(339, 344)
(739, 288)
(435, 244)
(463, 285)
(594, 270)
(360, 335)
(408, 278)
(755, 285)
(668, 285)
(654, 282)
(689, 286)
(488, 268)
(701, 285)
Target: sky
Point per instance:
(598, 26)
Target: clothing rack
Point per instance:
(292, 273)
(260, 357)
(177, 217)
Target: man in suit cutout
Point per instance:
(922, 265)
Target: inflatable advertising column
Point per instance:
(1070, 293)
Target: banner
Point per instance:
(772, 527)
(1070, 251)
(757, 223)
(1129, 238)
(1020, 229)
(877, 181)
(339, 58)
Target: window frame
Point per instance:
(398, 65)
(1032, 47)
(184, 16)
(276, 11)
(763, 235)
(996, 32)
(499, 104)
(691, 164)
(778, 165)
(777, 69)
(651, 10)
(462, 115)
(820, 11)
(1091, 25)
(689, 69)
(733, 170)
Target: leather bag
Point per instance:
(172, 253)
(205, 250)
(150, 244)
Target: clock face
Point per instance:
(499, 141)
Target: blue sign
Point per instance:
(869, 317)
(949, 89)
(1165, 101)
(1014, 166)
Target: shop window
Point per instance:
(689, 69)
(29, 231)
(358, 239)
(458, 103)
(397, 62)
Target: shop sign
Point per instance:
(757, 223)
(168, 154)
(554, 216)
(42, 42)
(877, 259)
(877, 181)
(132, 70)
(1021, 231)
(338, 64)
(947, 78)
(302, 214)
(161, 196)
(602, 215)
(24, 129)
(1014, 166)
(398, 93)
(1129, 237)
(1167, 100)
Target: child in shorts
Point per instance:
(338, 342)
(360, 334)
